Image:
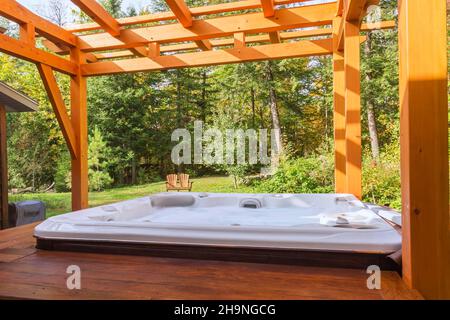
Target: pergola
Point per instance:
(256, 30)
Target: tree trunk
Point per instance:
(178, 99)
(252, 92)
(371, 119)
(180, 167)
(274, 106)
(133, 170)
(203, 103)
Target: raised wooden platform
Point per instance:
(28, 273)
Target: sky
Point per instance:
(38, 6)
(37, 3)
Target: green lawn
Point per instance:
(58, 203)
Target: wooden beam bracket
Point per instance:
(59, 107)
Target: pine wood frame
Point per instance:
(423, 81)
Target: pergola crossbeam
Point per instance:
(207, 58)
(181, 12)
(195, 12)
(97, 13)
(23, 50)
(284, 19)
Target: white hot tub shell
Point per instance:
(318, 222)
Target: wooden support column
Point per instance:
(339, 111)
(352, 108)
(3, 170)
(424, 146)
(78, 95)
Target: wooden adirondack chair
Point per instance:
(172, 182)
(173, 185)
(185, 184)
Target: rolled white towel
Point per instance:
(358, 219)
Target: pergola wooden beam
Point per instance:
(351, 10)
(184, 17)
(78, 101)
(268, 7)
(27, 33)
(353, 150)
(14, 11)
(25, 51)
(340, 157)
(195, 12)
(354, 9)
(227, 41)
(59, 107)
(239, 40)
(275, 37)
(97, 13)
(306, 16)
(181, 12)
(209, 58)
(424, 146)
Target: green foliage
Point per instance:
(312, 174)
(98, 159)
(381, 180)
(62, 175)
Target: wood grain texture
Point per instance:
(79, 118)
(59, 107)
(23, 50)
(424, 146)
(210, 58)
(353, 151)
(307, 16)
(339, 112)
(42, 275)
(97, 13)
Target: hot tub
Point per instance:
(298, 228)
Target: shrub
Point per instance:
(62, 175)
(302, 175)
(381, 180)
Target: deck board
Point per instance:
(27, 273)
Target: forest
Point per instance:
(132, 117)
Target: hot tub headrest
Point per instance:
(172, 201)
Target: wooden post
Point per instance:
(424, 146)
(78, 95)
(339, 111)
(3, 170)
(352, 107)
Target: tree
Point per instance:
(98, 160)
(57, 12)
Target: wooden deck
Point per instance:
(28, 273)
